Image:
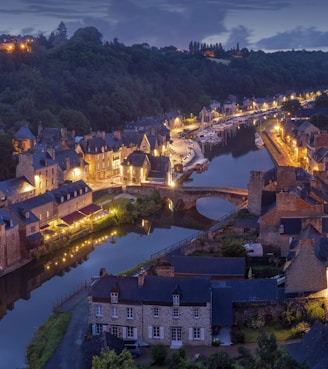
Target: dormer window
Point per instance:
(114, 297)
(176, 299)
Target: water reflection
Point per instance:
(20, 283)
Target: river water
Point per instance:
(27, 295)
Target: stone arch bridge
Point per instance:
(185, 198)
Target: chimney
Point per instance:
(141, 277)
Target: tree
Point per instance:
(61, 34)
(74, 120)
(321, 101)
(109, 359)
(220, 360)
(291, 106)
(159, 354)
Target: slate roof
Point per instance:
(136, 158)
(69, 188)
(41, 158)
(94, 145)
(222, 306)
(35, 201)
(73, 157)
(18, 211)
(210, 266)
(15, 186)
(245, 290)
(156, 290)
(312, 348)
(7, 219)
(24, 133)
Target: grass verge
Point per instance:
(46, 339)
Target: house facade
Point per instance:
(171, 311)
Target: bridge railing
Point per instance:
(186, 241)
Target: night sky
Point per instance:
(267, 25)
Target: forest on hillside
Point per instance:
(86, 84)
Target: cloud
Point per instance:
(298, 38)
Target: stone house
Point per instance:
(10, 248)
(140, 167)
(171, 311)
(40, 169)
(135, 168)
(23, 139)
(29, 228)
(307, 261)
(317, 152)
(15, 190)
(71, 166)
(69, 199)
(98, 154)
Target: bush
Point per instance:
(159, 354)
(237, 336)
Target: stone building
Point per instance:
(40, 169)
(23, 139)
(15, 190)
(307, 261)
(171, 311)
(10, 250)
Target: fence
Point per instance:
(180, 244)
(68, 301)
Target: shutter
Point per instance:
(94, 330)
(202, 334)
(150, 331)
(190, 334)
(135, 333)
(161, 333)
(124, 332)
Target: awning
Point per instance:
(44, 226)
(72, 218)
(90, 209)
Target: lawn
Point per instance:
(282, 334)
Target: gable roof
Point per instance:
(155, 290)
(245, 290)
(24, 133)
(214, 266)
(312, 348)
(14, 186)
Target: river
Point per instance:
(27, 295)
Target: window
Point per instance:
(155, 312)
(114, 331)
(114, 312)
(196, 313)
(176, 299)
(99, 329)
(176, 313)
(196, 334)
(129, 313)
(156, 332)
(130, 332)
(114, 297)
(176, 334)
(99, 310)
